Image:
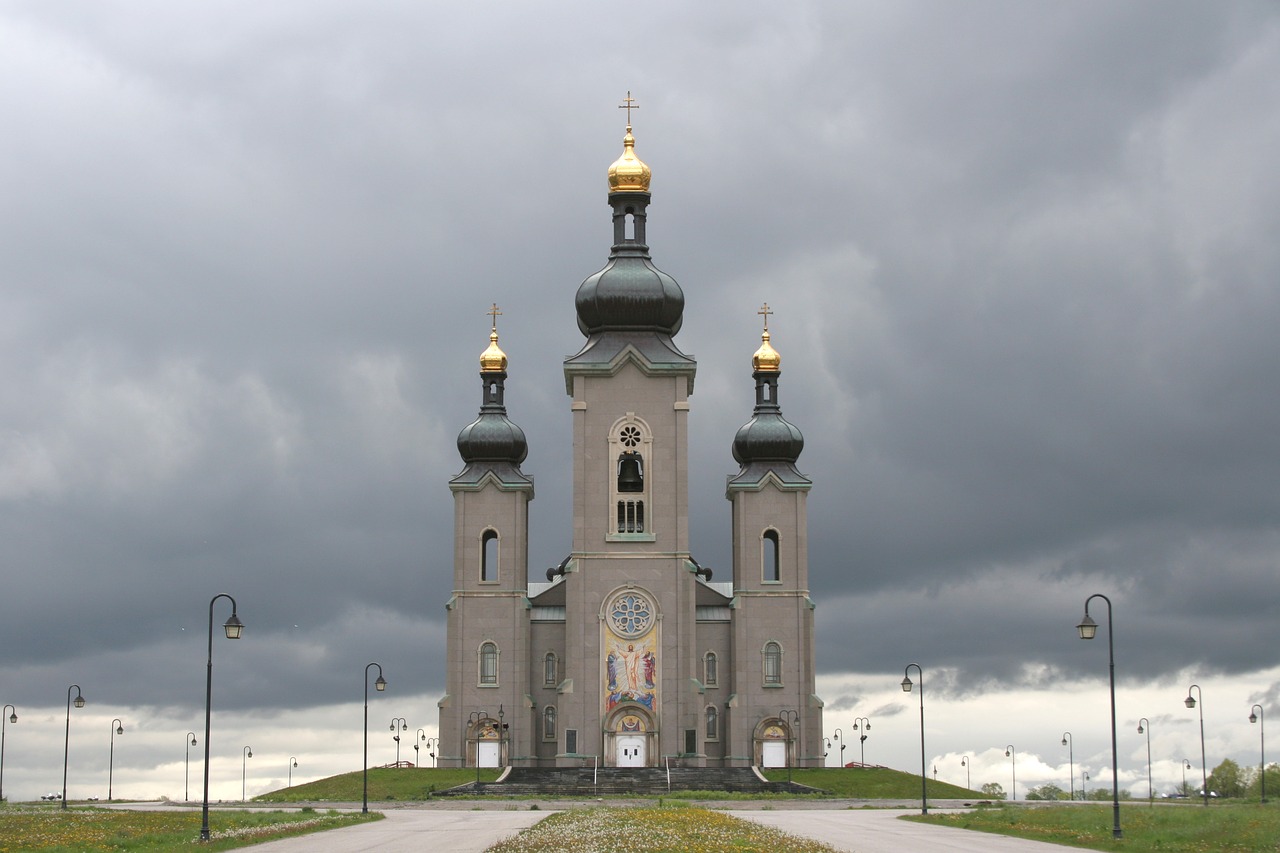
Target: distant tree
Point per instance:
(994, 790)
(1104, 793)
(1227, 780)
(1273, 783)
(1047, 792)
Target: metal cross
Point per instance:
(628, 104)
(495, 314)
(765, 312)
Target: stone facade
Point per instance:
(628, 653)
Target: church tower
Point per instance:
(629, 654)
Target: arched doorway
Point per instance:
(485, 743)
(772, 743)
(630, 738)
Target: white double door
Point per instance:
(629, 751)
(488, 753)
(774, 753)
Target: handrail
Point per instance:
(668, 760)
(595, 770)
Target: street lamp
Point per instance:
(12, 717)
(1088, 630)
(862, 724)
(1012, 754)
(233, 628)
(117, 728)
(1070, 743)
(1255, 716)
(404, 726)
(968, 782)
(1147, 732)
(433, 746)
(186, 775)
(66, 741)
(380, 685)
(906, 688)
(1084, 786)
(1204, 773)
(839, 736)
(244, 771)
(293, 762)
(473, 722)
(790, 718)
(419, 735)
(1186, 765)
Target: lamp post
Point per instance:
(1255, 716)
(244, 771)
(186, 769)
(839, 736)
(1084, 786)
(1147, 732)
(473, 720)
(1012, 755)
(404, 726)
(1204, 773)
(66, 741)
(293, 762)
(1070, 743)
(433, 746)
(906, 688)
(1088, 630)
(863, 725)
(502, 737)
(968, 782)
(1186, 765)
(419, 735)
(380, 685)
(10, 716)
(791, 719)
(233, 628)
(117, 728)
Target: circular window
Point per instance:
(630, 436)
(631, 615)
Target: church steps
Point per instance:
(613, 781)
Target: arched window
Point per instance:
(550, 670)
(710, 677)
(549, 722)
(630, 486)
(489, 663)
(713, 723)
(772, 568)
(772, 663)
(489, 555)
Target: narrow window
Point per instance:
(772, 663)
(549, 722)
(772, 571)
(709, 674)
(691, 741)
(489, 556)
(489, 663)
(713, 723)
(550, 670)
(571, 741)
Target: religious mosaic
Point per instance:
(631, 652)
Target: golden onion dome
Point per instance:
(766, 359)
(629, 173)
(493, 359)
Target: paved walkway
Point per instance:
(474, 831)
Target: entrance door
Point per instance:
(630, 751)
(487, 753)
(774, 753)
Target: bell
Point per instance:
(630, 480)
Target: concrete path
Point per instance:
(456, 831)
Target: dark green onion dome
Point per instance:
(630, 293)
(768, 436)
(492, 437)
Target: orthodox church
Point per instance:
(628, 653)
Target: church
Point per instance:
(628, 653)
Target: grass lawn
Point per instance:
(81, 830)
(1230, 828)
(660, 830)
(872, 783)
(385, 784)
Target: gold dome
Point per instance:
(629, 173)
(493, 359)
(766, 359)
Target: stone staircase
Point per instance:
(612, 781)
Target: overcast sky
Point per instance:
(1024, 264)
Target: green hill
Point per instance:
(418, 783)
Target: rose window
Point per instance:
(631, 615)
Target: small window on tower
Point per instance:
(710, 675)
(772, 571)
(713, 723)
(550, 670)
(549, 722)
(489, 663)
(489, 556)
(772, 663)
